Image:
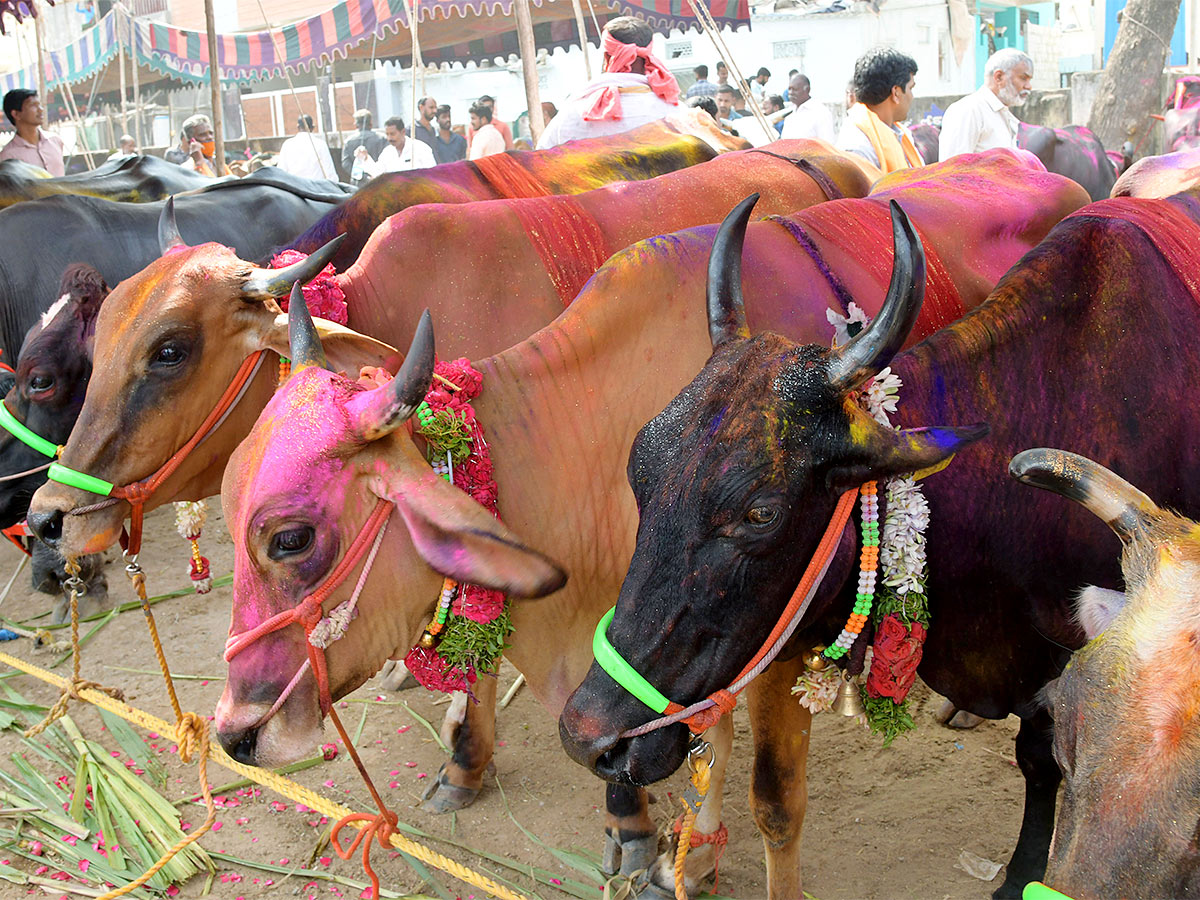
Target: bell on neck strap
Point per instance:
(848, 701)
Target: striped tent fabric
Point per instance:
(77, 61)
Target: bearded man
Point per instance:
(984, 120)
(635, 88)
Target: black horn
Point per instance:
(726, 309)
(1112, 499)
(305, 343)
(264, 283)
(169, 237)
(386, 408)
(873, 347)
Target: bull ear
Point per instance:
(1096, 608)
(726, 309)
(873, 347)
(169, 237)
(879, 453)
(383, 409)
(461, 539)
(264, 283)
(1112, 499)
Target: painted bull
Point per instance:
(1086, 342)
(40, 238)
(574, 392)
(134, 179)
(1160, 176)
(1073, 151)
(676, 143)
(1125, 706)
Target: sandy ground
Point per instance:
(881, 823)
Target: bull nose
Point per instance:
(590, 747)
(47, 525)
(241, 745)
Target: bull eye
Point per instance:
(762, 517)
(172, 353)
(40, 383)
(291, 542)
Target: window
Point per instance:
(788, 50)
(677, 49)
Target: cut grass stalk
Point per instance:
(318, 874)
(123, 607)
(177, 676)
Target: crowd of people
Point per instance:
(634, 88)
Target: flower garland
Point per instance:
(900, 610)
(471, 624)
(189, 521)
(323, 294)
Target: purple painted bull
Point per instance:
(1087, 342)
(1126, 707)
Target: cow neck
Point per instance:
(137, 493)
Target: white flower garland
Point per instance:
(902, 537)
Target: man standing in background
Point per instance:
(883, 87)
(487, 140)
(809, 118)
(449, 146)
(984, 120)
(702, 86)
(425, 127)
(305, 155)
(497, 123)
(364, 138)
(31, 144)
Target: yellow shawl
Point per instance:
(893, 152)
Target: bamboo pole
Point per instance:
(415, 63)
(41, 58)
(529, 68)
(214, 84)
(583, 42)
(137, 87)
(121, 69)
(80, 132)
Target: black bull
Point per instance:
(1088, 343)
(40, 238)
(134, 179)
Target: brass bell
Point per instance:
(815, 660)
(428, 641)
(848, 701)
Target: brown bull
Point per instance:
(561, 411)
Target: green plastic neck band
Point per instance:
(71, 478)
(1035, 890)
(622, 672)
(18, 430)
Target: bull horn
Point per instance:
(384, 409)
(264, 283)
(1115, 501)
(726, 309)
(169, 237)
(873, 347)
(303, 340)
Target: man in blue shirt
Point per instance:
(449, 146)
(703, 87)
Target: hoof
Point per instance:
(629, 858)
(659, 880)
(952, 717)
(396, 677)
(443, 797)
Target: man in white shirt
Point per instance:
(809, 118)
(758, 84)
(983, 120)
(634, 88)
(487, 139)
(305, 155)
(400, 155)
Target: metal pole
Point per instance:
(583, 42)
(529, 68)
(137, 87)
(214, 84)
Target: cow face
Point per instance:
(296, 493)
(51, 377)
(168, 342)
(1127, 708)
(735, 482)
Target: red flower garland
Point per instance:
(898, 648)
(323, 294)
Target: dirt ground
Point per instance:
(881, 823)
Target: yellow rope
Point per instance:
(700, 780)
(278, 783)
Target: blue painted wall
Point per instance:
(1178, 50)
(1009, 18)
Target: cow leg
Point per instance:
(701, 860)
(1042, 777)
(630, 838)
(469, 730)
(779, 783)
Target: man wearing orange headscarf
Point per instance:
(883, 87)
(635, 88)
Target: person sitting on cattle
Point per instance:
(883, 88)
(31, 144)
(365, 137)
(809, 118)
(202, 147)
(449, 146)
(400, 154)
(305, 155)
(487, 139)
(126, 147)
(984, 120)
(634, 88)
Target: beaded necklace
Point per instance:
(868, 563)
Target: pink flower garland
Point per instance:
(323, 294)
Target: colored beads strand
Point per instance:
(449, 586)
(285, 370)
(868, 564)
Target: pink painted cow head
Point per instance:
(1127, 707)
(297, 491)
